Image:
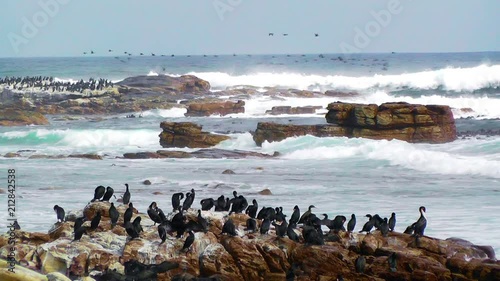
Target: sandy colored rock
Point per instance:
(12, 155)
(187, 134)
(266, 191)
(15, 117)
(247, 256)
(273, 132)
(278, 110)
(86, 156)
(20, 273)
(216, 260)
(221, 108)
(57, 276)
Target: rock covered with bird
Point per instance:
(227, 238)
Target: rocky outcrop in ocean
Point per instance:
(14, 117)
(185, 84)
(278, 110)
(205, 153)
(403, 121)
(187, 134)
(409, 122)
(134, 94)
(107, 251)
(220, 108)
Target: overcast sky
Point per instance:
(70, 27)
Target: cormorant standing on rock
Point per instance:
(281, 229)
(326, 221)
(229, 228)
(113, 215)
(79, 233)
(16, 225)
(279, 214)
(295, 216)
(338, 223)
(252, 209)
(126, 195)
(207, 204)
(137, 224)
(421, 223)
(78, 222)
(312, 236)
(95, 221)
(368, 225)
(202, 222)
(251, 225)
(98, 193)
(131, 231)
(108, 194)
(127, 216)
(178, 224)
(384, 228)
(189, 241)
(176, 200)
(306, 214)
(220, 204)
(60, 213)
(392, 222)
(188, 201)
(264, 228)
(153, 213)
(162, 232)
(352, 223)
(290, 232)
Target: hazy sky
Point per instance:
(70, 27)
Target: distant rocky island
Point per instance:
(26, 101)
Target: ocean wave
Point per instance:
(449, 159)
(479, 107)
(98, 138)
(165, 113)
(450, 79)
(463, 106)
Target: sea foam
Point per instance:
(451, 79)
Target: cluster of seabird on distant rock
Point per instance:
(51, 85)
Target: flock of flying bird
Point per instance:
(126, 53)
(312, 233)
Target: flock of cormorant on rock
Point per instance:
(49, 84)
(312, 233)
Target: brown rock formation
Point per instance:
(187, 134)
(166, 84)
(15, 117)
(403, 121)
(278, 110)
(271, 132)
(220, 108)
(211, 153)
(248, 256)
